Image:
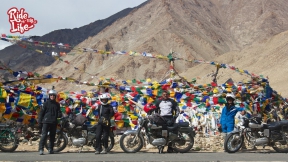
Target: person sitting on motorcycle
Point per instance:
(106, 112)
(167, 107)
(227, 120)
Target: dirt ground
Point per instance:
(201, 144)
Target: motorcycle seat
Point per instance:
(174, 127)
(284, 122)
(274, 126)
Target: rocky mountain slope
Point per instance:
(19, 58)
(268, 59)
(228, 31)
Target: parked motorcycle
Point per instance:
(133, 140)
(76, 134)
(9, 138)
(274, 134)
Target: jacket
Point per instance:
(166, 107)
(49, 112)
(228, 114)
(107, 112)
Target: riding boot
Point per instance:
(104, 151)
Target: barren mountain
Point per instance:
(19, 58)
(268, 59)
(194, 29)
(223, 30)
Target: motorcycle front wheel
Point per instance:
(60, 142)
(131, 143)
(281, 146)
(184, 143)
(233, 142)
(8, 141)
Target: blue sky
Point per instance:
(60, 14)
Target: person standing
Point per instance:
(167, 107)
(106, 112)
(47, 120)
(227, 120)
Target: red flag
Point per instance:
(215, 100)
(189, 104)
(188, 94)
(133, 89)
(213, 84)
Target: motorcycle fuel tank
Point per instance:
(253, 125)
(159, 142)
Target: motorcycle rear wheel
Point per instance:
(60, 143)
(180, 143)
(233, 142)
(279, 147)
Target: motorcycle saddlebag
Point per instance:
(284, 125)
(79, 120)
(183, 124)
(157, 119)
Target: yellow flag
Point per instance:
(172, 94)
(121, 108)
(2, 108)
(26, 119)
(24, 100)
(150, 100)
(155, 92)
(38, 51)
(7, 116)
(3, 93)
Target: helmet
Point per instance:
(104, 96)
(230, 95)
(52, 92)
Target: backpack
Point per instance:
(79, 120)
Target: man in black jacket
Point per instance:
(167, 107)
(47, 120)
(106, 112)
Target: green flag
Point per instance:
(36, 74)
(160, 91)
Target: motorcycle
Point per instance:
(274, 134)
(9, 137)
(76, 134)
(133, 140)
